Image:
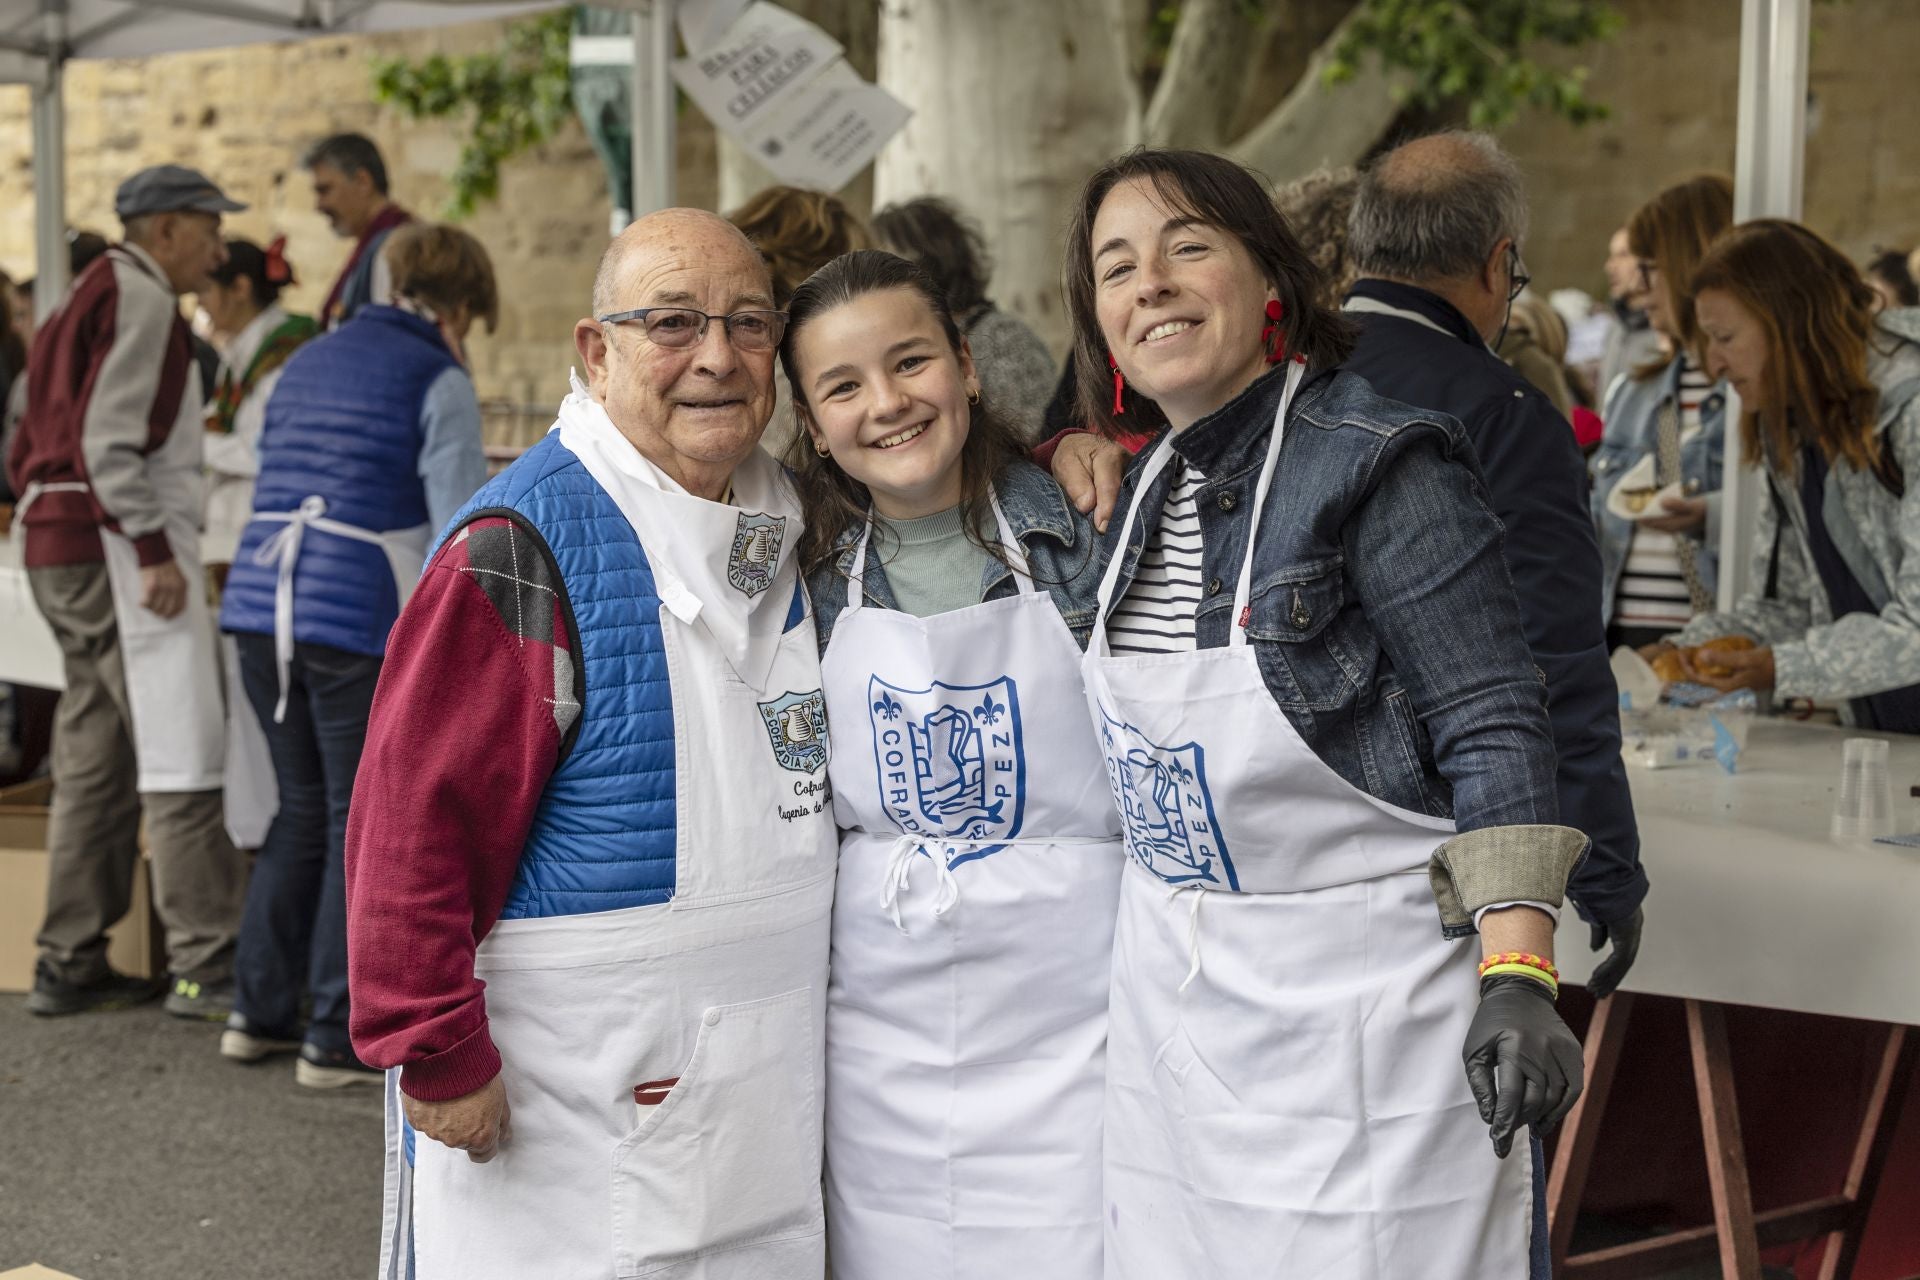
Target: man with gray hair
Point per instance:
(350, 188)
(1435, 233)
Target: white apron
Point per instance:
(1285, 1096)
(972, 943)
(175, 696)
(716, 998)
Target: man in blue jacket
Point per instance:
(1435, 232)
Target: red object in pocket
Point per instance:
(653, 1092)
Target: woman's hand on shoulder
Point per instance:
(1089, 470)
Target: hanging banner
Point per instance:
(781, 87)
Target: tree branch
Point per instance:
(1207, 62)
(1318, 124)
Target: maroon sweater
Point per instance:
(477, 698)
(107, 385)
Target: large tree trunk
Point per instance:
(855, 24)
(1319, 125)
(1212, 51)
(1014, 104)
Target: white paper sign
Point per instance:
(764, 57)
(828, 130)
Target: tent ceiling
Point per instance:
(136, 28)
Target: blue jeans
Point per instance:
(293, 934)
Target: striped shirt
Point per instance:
(1157, 613)
(1653, 590)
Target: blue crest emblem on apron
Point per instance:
(797, 725)
(950, 760)
(756, 550)
(1165, 807)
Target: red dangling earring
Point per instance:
(1276, 311)
(1119, 386)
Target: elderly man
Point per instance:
(590, 859)
(1435, 236)
(107, 464)
(350, 189)
(1435, 233)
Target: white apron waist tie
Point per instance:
(898, 879)
(35, 489)
(284, 548)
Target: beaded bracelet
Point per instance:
(1526, 958)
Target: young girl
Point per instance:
(980, 857)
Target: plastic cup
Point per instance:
(1863, 803)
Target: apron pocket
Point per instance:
(723, 1178)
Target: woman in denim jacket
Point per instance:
(1320, 718)
(1833, 414)
(1657, 570)
(980, 854)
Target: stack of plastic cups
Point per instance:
(1863, 805)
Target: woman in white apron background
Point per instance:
(1320, 718)
(979, 857)
(370, 443)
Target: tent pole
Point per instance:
(654, 103)
(1768, 173)
(50, 167)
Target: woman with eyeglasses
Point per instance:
(1829, 387)
(1656, 475)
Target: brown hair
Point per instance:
(798, 232)
(832, 500)
(1317, 208)
(443, 267)
(1224, 195)
(1673, 230)
(1817, 315)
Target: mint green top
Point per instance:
(931, 564)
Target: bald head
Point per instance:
(1436, 207)
(684, 234)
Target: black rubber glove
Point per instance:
(1523, 1063)
(1626, 945)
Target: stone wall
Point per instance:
(244, 114)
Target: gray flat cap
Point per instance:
(168, 187)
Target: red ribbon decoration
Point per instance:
(1119, 386)
(278, 272)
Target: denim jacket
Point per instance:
(1816, 655)
(1058, 541)
(1632, 416)
(1383, 619)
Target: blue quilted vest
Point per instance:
(343, 424)
(604, 835)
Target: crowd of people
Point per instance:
(795, 782)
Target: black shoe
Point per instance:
(200, 1001)
(247, 1041)
(332, 1069)
(53, 996)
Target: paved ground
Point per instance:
(130, 1150)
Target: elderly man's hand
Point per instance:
(476, 1123)
(1089, 470)
(163, 589)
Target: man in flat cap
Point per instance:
(107, 465)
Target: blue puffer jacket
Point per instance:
(605, 834)
(344, 425)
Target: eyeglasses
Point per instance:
(1517, 277)
(677, 327)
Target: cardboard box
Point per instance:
(134, 945)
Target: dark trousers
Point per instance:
(293, 935)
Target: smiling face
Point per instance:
(1736, 344)
(348, 201)
(696, 411)
(886, 395)
(1181, 303)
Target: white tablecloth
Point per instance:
(1752, 903)
(28, 652)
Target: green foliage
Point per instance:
(513, 100)
(1478, 52)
